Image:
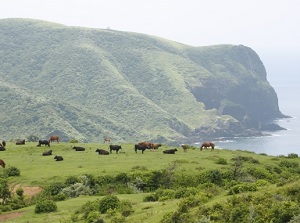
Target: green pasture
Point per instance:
(38, 170)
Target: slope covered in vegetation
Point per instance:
(89, 83)
(192, 186)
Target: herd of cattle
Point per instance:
(142, 146)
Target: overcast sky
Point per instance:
(259, 24)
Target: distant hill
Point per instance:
(88, 83)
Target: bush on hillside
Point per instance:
(292, 155)
(54, 188)
(288, 164)
(108, 202)
(12, 171)
(45, 206)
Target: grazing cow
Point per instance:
(20, 142)
(147, 144)
(54, 138)
(2, 148)
(185, 147)
(114, 147)
(47, 153)
(78, 148)
(140, 147)
(170, 151)
(106, 139)
(44, 142)
(207, 145)
(2, 163)
(155, 145)
(102, 152)
(58, 158)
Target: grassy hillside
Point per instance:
(215, 179)
(89, 83)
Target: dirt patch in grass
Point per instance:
(8, 216)
(28, 191)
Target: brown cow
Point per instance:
(185, 147)
(155, 145)
(2, 163)
(54, 138)
(207, 145)
(106, 139)
(146, 144)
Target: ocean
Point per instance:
(287, 87)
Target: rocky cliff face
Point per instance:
(240, 89)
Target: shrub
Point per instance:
(88, 207)
(76, 190)
(259, 173)
(45, 206)
(288, 164)
(108, 202)
(246, 159)
(221, 161)
(94, 217)
(261, 183)
(4, 191)
(295, 219)
(20, 192)
(73, 141)
(165, 194)
(236, 189)
(122, 178)
(185, 192)
(150, 198)
(118, 219)
(59, 197)
(12, 171)
(54, 188)
(72, 180)
(125, 208)
(292, 155)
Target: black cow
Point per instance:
(2, 148)
(58, 158)
(78, 148)
(102, 152)
(114, 147)
(47, 153)
(140, 147)
(20, 142)
(170, 151)
(44, 142)
(2, 163)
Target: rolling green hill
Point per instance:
(89, 83)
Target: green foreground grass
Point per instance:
(38, 170)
